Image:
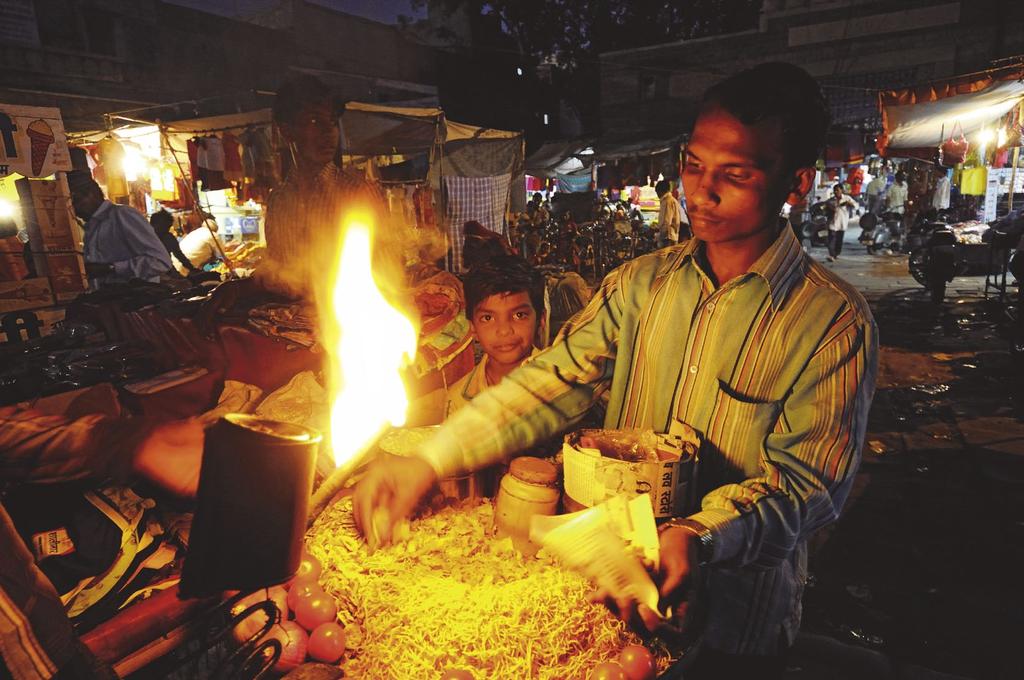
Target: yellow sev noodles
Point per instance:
(453, 597)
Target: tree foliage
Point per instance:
(571, 33)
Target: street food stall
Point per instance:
(476, 587)
(266, 570)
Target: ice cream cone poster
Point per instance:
(32, 141)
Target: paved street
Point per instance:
(921, 577)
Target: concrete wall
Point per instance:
(98, 56)
(851, 46)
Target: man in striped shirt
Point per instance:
(737, 333)
(304, 212)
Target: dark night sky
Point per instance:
(386, 11)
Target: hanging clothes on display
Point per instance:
(232, 158)
(110, 169)
(574, 183)
(210, 164)
(973, 181)
(257, 155)
(474, 198)
(163, 185)
(184, 196)
(423, 200)
(206, 159)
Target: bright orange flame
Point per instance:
(369, 342)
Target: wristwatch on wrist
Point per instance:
(705, 540)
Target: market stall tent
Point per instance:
(562, 157)
(632, 161)
(917, 120)
(473, 168)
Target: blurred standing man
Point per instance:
(876, 192)
(120, 244)
(670, 215)
(304, 213)
(896, 199)
(736, 332)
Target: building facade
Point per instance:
(157, 59)
(853, 47)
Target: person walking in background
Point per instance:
(839, 221)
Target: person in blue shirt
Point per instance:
(119, 243)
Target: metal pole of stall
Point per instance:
(195, 203)
(1016, 157)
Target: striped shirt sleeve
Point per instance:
(810, 458)
(540, 398)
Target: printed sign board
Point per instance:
(32, 141)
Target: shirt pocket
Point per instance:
(737, 432)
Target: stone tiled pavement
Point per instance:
(921, 577)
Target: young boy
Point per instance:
(504, 305)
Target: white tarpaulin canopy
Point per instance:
(376, 129)
(925, 117)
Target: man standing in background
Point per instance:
(670, 215)
(120, 244)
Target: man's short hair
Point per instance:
(503, 274)
(161, 220)
(298, 94)
(80, 182)
(783, 91)
(837, 186)
(662, 187)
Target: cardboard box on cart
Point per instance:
(54, 235)
(601, 464)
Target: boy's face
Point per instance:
(735, 179)
(504, 325)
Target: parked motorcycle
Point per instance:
(887, 234)
(814, 227)
(868, 223)
(937, 260)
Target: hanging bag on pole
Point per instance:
(953, 151)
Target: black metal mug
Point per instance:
(254, 490)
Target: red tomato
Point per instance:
(327, 642)
(252, 624)
(309, 568)
(302, 590)
(457, 674)
(316, 609)
(608, 671)
(638, 663)
(293, 645)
